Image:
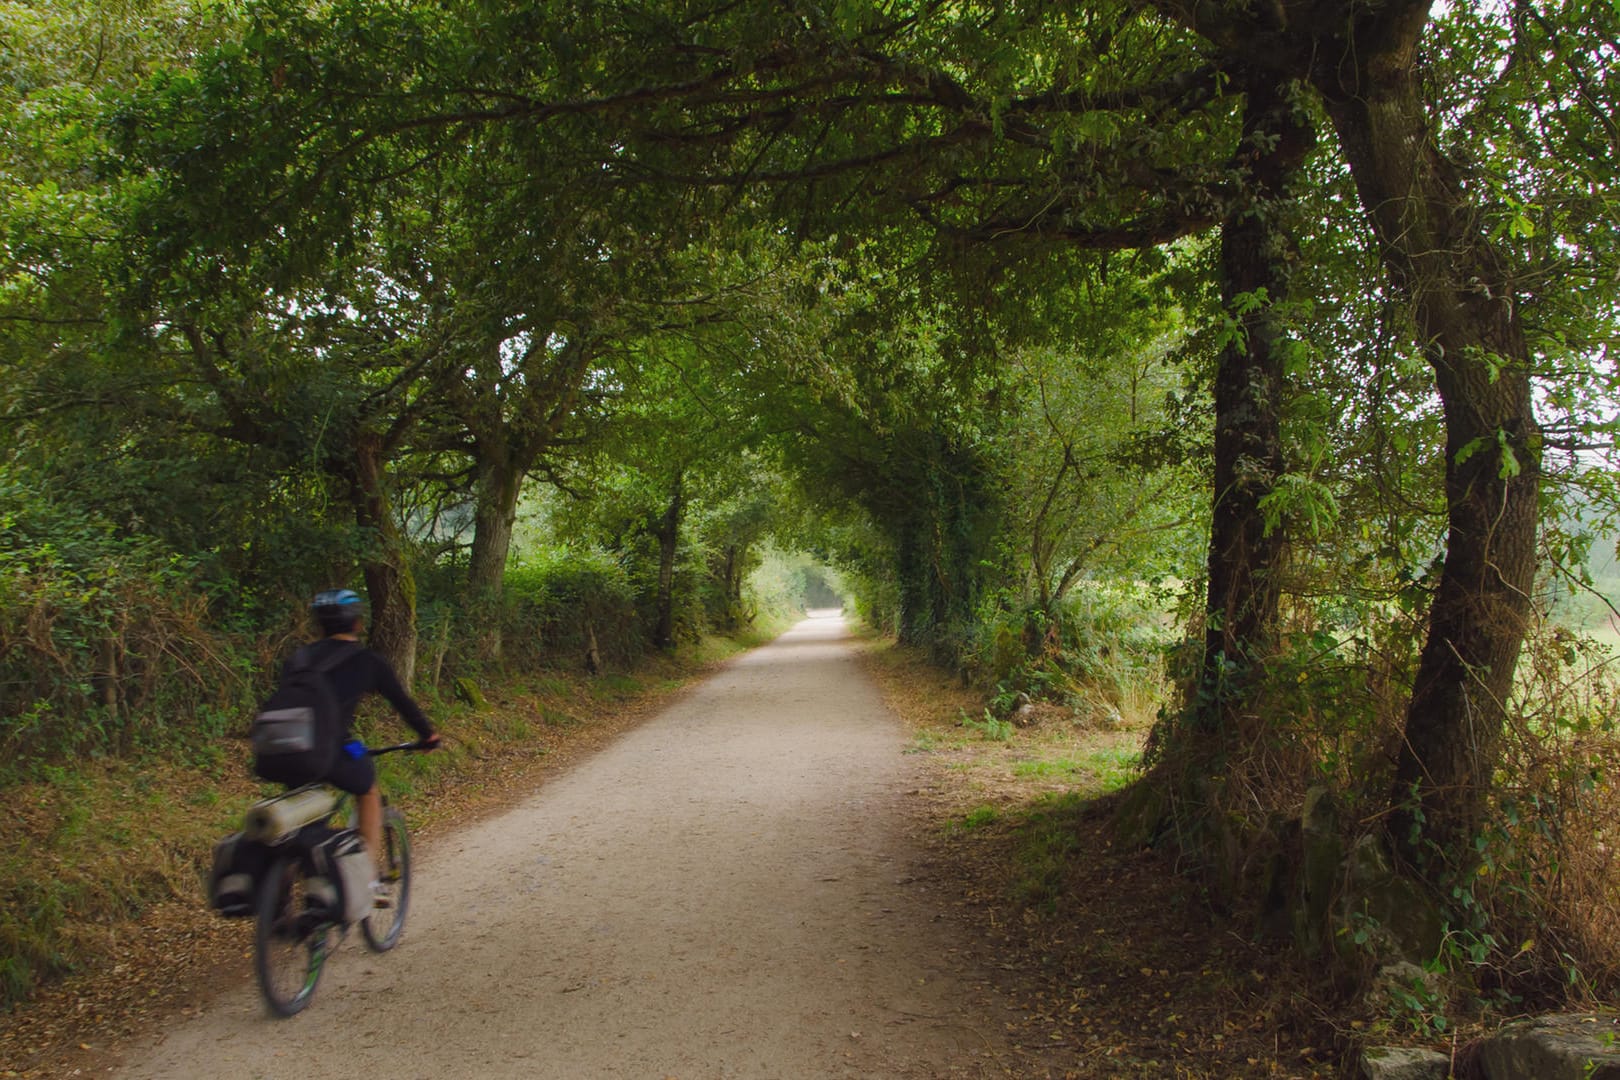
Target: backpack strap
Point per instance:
(331, 663)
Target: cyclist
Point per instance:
(340, 614)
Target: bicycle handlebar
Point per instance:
(375, 751)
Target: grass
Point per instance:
(615, 687)
(1108, 962)
(1047, 839)
(1107, 768)
(95, 843)
(978, 818)
(1039, 779)
(98, 842)
(988, 727)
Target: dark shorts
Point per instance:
(354, 775)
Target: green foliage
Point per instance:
(988, 727)
(289, 292)
(979, 817)
(1106, 768)
(1100, 653)
(105, 644)
(787, 583)
(556, 599)
(1531, 913)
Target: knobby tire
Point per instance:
(290, 940)
(382, 928)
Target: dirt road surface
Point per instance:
(727, 891)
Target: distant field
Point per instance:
(1607, 634)
(1589, 615)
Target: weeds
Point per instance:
(988, 727)
(978, 818)
(925, 742)
(1108, 767)
(1047, 839)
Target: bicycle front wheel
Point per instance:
(386, 922)
(292, 936)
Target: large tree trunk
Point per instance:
(911, 570)
(960, 503)
(495, 496)
(1463, 298)
(498, 485)
(389, 583)
(1244, 556)
(668, 532)
(511, 423)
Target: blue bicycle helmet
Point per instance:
(338, 611)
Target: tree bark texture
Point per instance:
(727, 569)
(499, 483)
(667, 530)
(1463, 298)
(961, 506)
(495, 496)
(509, 433)
(1244, 556)
(389, 584)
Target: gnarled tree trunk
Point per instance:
(495, 498)
(389, 584)
(1463, 297)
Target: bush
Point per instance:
(1538, 919)
(105, 645)
(1100, 653)
(561, 598)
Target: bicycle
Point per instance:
(296, 918)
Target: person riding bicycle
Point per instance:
(340, 614)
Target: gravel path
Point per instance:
(727, 891)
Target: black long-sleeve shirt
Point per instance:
(360, 674)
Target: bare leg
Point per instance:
(370, 806)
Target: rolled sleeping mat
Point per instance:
(273, 820)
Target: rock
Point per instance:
(1403, 1063)
(1398, 918)
(468, 691)
(1321, 868)
(1571, 1046)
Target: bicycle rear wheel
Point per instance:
(292, 935)
(382, 927)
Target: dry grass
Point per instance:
(101, 870)
(1552, 890)
(1111, 964)
(1165, 986)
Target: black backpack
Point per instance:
(298, 728)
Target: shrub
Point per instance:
(559, 598)
(1100, 653)
(105, 641)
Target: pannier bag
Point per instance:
(343, 861)
(297, 730)
(234, 876)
